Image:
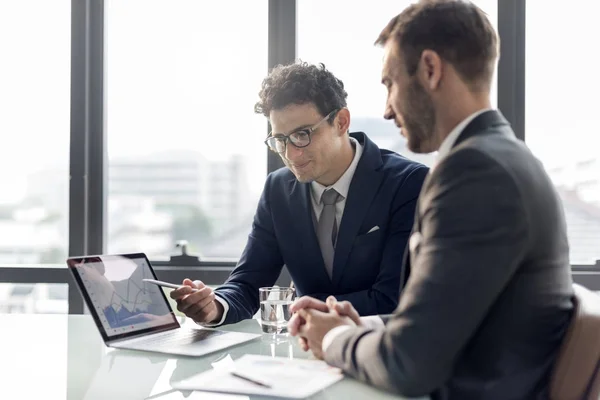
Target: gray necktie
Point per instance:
(327, 228)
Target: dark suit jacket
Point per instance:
(489, 295)
(366, 267)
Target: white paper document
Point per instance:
(265, 376)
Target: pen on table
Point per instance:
(251, 380)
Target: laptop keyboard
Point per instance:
(181, 337)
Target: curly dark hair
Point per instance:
(301, 83)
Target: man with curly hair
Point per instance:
(339, 216)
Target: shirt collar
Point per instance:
(342, 186)
(448, 143)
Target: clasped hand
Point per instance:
(313, 319)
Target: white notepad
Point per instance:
(296, 379)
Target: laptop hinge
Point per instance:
(137, 336)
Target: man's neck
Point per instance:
(447, 118)
(342, 163)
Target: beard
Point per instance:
(419, 119)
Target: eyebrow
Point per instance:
(293, 130)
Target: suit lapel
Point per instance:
(406, 264)
(363, 189)
(479, 125)
(405, 273)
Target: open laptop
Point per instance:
(133, 314)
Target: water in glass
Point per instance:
(275, 305)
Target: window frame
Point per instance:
(88, 152)
(87, 210)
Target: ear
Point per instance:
(430, 69)
(342, 120)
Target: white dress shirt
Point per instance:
(373, 321)
(341, 186)
(452, 137)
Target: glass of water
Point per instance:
(275, 305)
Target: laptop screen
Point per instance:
(121, 303)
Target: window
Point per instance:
(344, 43)
(35, 109)
(185, 149)
(40, 298)
(562, 120)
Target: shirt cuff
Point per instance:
(371, 322)
(331, 335)
(225, 309)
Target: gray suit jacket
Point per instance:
(489, 296)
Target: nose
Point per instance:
(388, 113)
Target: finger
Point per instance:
(306, 314)
(331, 302)
(202, 313)
(183, 307)
(303, 344)
(205, 300)
(193, 284)
(198, 299)
(345, 308)
(179, 305)
(308, 302)
(199, 294)
(186, 305)
(199, 284)
(294, 323)
(305, 329)
(183, 291)
(313, 346)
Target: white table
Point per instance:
(63, 357)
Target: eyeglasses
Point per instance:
(299, 138)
